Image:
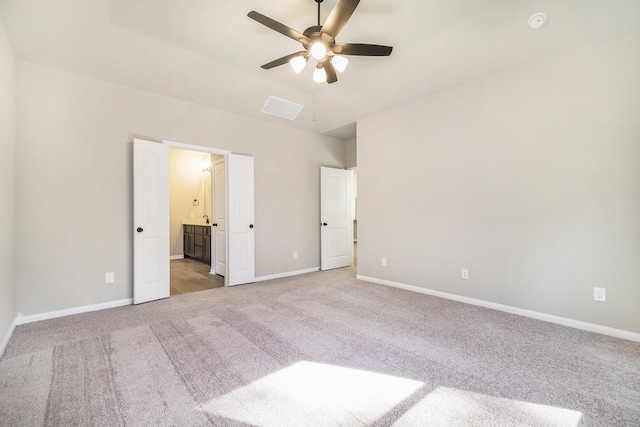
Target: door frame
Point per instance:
(220, 152)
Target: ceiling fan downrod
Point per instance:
(319, 1)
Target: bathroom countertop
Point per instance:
(195, 222)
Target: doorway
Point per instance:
(336, 216)
(196, 200)
(151, 218)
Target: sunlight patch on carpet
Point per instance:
(450, 406)
(308, 393)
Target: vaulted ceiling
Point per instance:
(210, 52)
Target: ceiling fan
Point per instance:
(319, 42)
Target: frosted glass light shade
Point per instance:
(319, 75)
(339, 63)
(298, 63)
(318, 51)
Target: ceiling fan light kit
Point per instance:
(318, 51)
(319, 74)
(298, 63)
(319, 42)
(339, 62)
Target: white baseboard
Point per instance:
(176, 257)
(577, 324)
(21, 319)
(7, 337)
(287, 274)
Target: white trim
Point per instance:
(577, 324)
(7, 337)
(176, 257)
(201, 148)
(21, 320)
(287, 274)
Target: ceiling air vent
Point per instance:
(281, 108)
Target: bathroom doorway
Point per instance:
(196, 200)
(152, 218)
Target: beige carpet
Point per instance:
(323, 349)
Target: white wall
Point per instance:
(74, 179)
(351, 148)
(7, 185)
(530, 178)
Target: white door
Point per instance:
(240, 226)
(150, 221)
(336, 218)
(219, 255)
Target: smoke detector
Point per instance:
(537, 20)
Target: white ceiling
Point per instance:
(210, 52)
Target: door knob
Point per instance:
(324, 224)
(139, 229)
(250, 225)
(215, 224)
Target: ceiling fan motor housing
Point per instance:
(314, 34)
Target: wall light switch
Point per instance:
(384, 261)
(295, 254)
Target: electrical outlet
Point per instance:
(109, 278)
(384, 261)
(599, 294)
(295, 254)
(464, 273)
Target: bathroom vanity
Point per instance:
(197, 242)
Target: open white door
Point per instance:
(150, 221)
(240, 226)
(219, 252)
(336, 216)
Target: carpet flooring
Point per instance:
(321, 349)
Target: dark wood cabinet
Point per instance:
(187, 241)
(197, 242)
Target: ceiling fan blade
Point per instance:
(362, 49)
(339, 16)
(332, 77)
(283, 60)
(277, 26)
